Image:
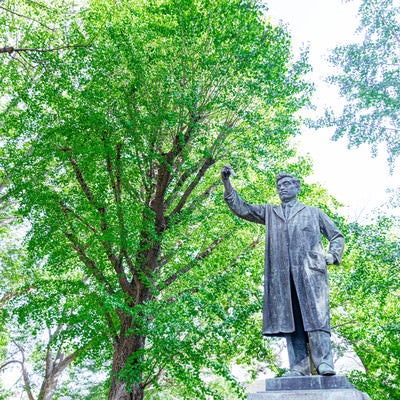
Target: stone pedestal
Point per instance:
(309, 388)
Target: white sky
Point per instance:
(354, 177)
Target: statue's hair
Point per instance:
(282, 175)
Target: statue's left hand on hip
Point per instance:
(329, 259)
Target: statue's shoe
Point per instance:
(326, 370)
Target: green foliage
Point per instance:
(85, 383)
(365, 303)
(368, 80)
(115, 149)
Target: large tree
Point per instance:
(112, 149)
(367, 77)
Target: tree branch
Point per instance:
(122, 278)
(90, 264)
(193, 290)
(55, 365)
(114, 335)
(27, 383)
(164, 173)
(78, 217)
(49, 361)
(10, 49)
(116, 262)
(208, 162)
(2, 366)
(180, 182)
(28, 61)
(26, 17)
(166, 258)
(167, 282)
(10, 295)
(82, 182)
(115, 179)
(154, 378)
(22, 61)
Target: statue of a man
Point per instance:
(296, 289)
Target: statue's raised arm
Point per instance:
(249, 212)
(226, 172)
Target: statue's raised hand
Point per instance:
(227, 171)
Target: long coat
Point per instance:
(293, 247)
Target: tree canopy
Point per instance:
(116, 117)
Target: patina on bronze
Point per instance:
(296, 289)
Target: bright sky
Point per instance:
(354, 177)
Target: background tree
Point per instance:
(113, 152)
(365, 303)
(366, 288)
(369, 72)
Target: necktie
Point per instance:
(286, 211)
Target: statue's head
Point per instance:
(288, 187)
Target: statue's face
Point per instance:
(287, 189)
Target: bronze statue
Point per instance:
(296, 289)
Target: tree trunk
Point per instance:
(124, 347)
(55, 366)
(48, 388)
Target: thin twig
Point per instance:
(29, 18)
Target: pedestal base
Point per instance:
(309, 388)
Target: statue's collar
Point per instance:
(291, 203)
